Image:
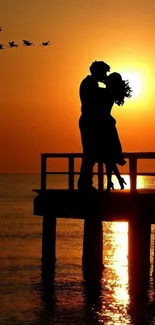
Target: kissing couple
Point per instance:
(99, 136)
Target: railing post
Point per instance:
(133, 173)
(43, 172)
(71, 173)
(100, 177)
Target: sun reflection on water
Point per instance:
(115, 278)
(120, 261)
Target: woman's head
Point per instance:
(118, 87)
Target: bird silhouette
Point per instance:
(12, 44)
(27, 43)
(46, 43)
(2, 47)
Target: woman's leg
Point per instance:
(117, 173)
(112, 167)
(109, 175)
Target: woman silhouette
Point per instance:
(109, 149)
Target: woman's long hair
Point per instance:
(118, 88)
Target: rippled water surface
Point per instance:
(28, 297)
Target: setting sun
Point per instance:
(135, 81)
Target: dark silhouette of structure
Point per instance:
(2, 47)
(133, 206)
(27, 43)
(46, 43)
(13, 44)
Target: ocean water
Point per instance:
(25, 298)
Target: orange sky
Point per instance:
(39, 97)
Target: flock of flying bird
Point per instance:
(25, 43)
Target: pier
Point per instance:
(135, 206)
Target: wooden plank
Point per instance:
(96, 173)
(116, 192)
(138, 155)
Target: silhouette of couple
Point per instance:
(100, 140)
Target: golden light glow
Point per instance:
(141, 182)
(135, 80)
(116, 183)
(117, 277)
(39, 88)
(141, 81)
(120, 230)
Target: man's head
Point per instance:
(99, 69)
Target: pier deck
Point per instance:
(114, 206)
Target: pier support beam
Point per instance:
(49, 241)
(154, 258)
(139, 235)
(92, 250)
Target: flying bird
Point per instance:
(46, 43)
(27, 43)
(2, 47)
(12, 44)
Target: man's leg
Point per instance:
(85, 180)
(86, 173)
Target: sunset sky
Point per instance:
(39, 86)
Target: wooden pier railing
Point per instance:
(131, 156)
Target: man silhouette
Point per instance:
(89, 119)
